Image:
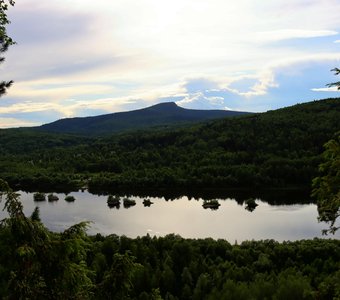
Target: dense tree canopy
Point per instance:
(38, 264)
(279, 149)
(269, 150)
(327, 186)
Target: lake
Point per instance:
(180, 216)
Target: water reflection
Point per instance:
(250, 204)
(127, 202)
(182, 215)
(147, 202)
(212, 204)
(271, 196)
(113, 201)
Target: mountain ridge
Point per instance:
(161, 114)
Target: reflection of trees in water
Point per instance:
(113, 201)
(250, 204)
(127, 202)
(270, 196)
(147, 202)
(212, 204)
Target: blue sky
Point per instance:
(82, 58)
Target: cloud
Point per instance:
(54, 41)
(284, 34)
(12, 122)
(194, 84)
(44, 112)
(255, 85)
(281, 84)
(54, 92)
(34, 23)
(327, 89)
(199, 100)
(78, 58)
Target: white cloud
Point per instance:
(284, 34)
(28, 107)
(126, 54)
(327, 89)
(12, 122)
(277, 85)
(199, 100)
(289, 64)
(261, 83)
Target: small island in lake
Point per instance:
(128, 202)
(52, 198)
(147, 202)
(250, 204)
(113, 201)
(70, 199)
(39, 197)
(212, 204)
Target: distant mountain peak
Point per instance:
(161, 114)
(165, 104)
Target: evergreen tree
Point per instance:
(36, 263)
(337, 84)
(327, 186)
(5, 40)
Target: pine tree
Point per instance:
(39, 264)
(326, 187)
(337, 84)
(5, 40)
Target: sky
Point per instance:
(76, 58)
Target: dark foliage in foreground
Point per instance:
(39, 264)
(326, 187)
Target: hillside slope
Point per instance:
(162, 114)
(280, 148)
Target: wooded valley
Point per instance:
(276, 149)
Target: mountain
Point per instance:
(163, 114)
(277, 149)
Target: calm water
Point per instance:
(181, 216)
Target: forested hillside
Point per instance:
(279, 148)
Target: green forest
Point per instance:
(39, 264)
(296, 147)
(276, 149)
(282, 148)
